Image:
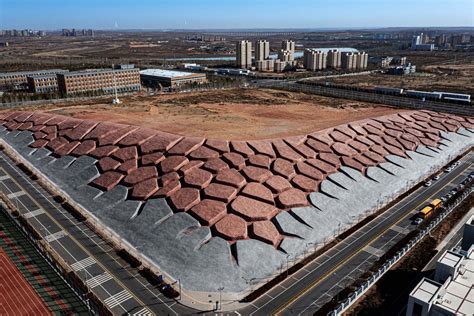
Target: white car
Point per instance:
(418, 221)
(428, 183)
(436, 177)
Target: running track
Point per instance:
(17, 297)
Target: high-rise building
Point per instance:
(285, 55)
(417, 40)
(334, 59)
(244, 54)
(262, 50)
(315, 59)
(441, 40)
(288, 45)
(348, 61)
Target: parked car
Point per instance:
(418, 221)
(436, 177)
(428, 183)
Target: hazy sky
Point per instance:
(163, 14)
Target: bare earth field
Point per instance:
(439, 77)
(228, 114)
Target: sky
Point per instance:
(231, 14)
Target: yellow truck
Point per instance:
(425, 212)
(436, 203)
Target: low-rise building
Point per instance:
(18, 80)
(105, 80)
(170, 78)
(43, 84)
(267, 65)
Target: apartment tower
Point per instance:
(244, 54)
(334, 59)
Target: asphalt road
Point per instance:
(121, 287)
(309, 289)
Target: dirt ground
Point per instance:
(228, 114)
(437, 77)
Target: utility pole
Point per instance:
(116, 99)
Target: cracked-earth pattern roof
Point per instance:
(234, 187)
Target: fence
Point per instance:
(359, 95)
(54, 261)
(392, 261)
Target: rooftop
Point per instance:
(32, 72)
(168, 73)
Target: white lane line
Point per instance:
(33, 213)
(16, 194)
(98, 280)
(55, 236)
(82, 264)
(117, 299)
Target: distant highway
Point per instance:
(318, 282)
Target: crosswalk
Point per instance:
(98, 280)
(143, 312)
(82, 264)
(15, 194)
(33, 213)
(118, 298)
(55, 236)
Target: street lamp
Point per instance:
(220, 297)
(287, 268)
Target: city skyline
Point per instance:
(212, 14)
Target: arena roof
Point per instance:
(172, 74)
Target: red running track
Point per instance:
(17, 297)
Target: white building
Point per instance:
(244, 54)
(452, 290)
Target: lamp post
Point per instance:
(220, 297)
(287, 267)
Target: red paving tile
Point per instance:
(198, 178)
(258, 191)
(184, 199)
(230, 177)
(278, 184)
(140, 174)
(292, 198)
(208, 212)
(231, 227)
(251, 209)
(220, 192)
(266, 232)
(108, 180)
